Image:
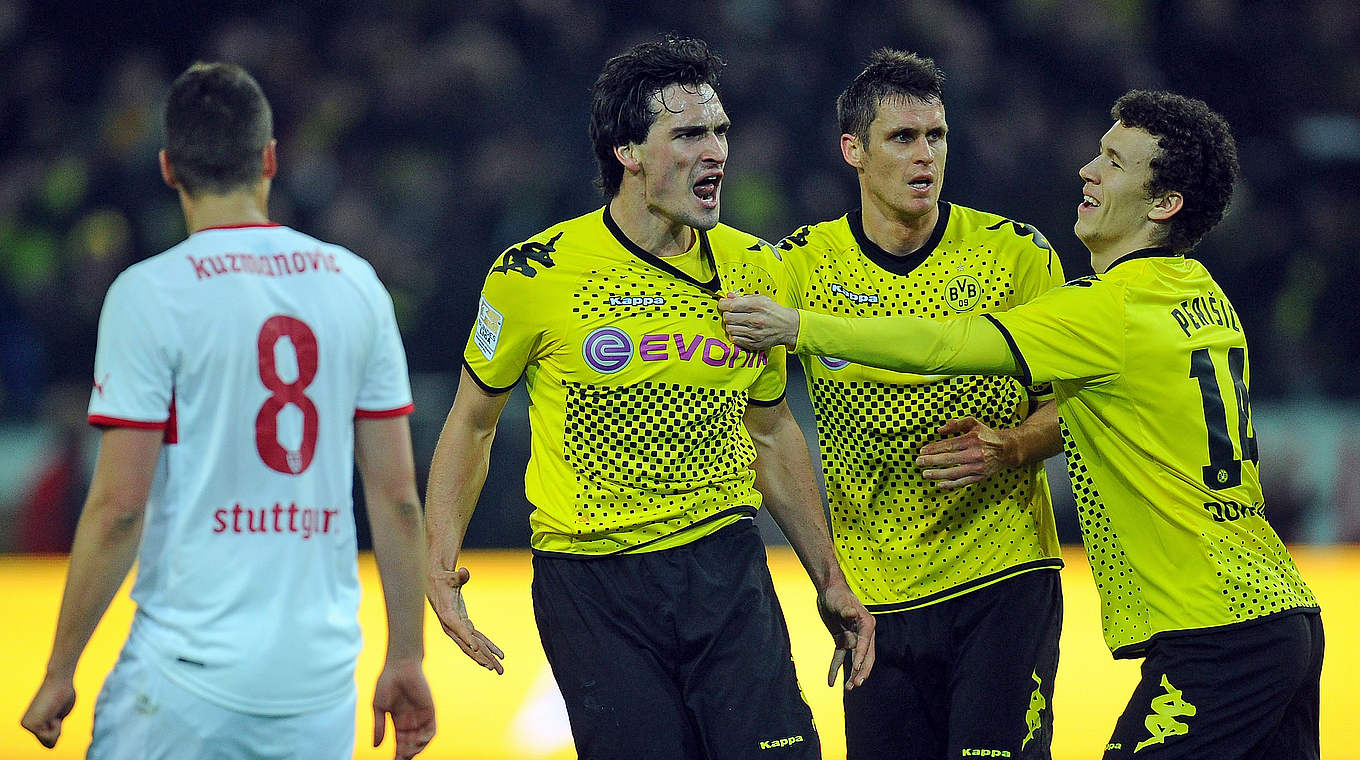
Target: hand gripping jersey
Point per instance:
(636, 394)
(254, 348)
(1149, 365)
(902, 541)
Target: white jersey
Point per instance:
(254, 348)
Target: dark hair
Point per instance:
(217, 122)
(888, 74)
(1196, 157)
(621, 98)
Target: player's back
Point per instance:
(258, 346)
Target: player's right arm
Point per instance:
(457, 474)
(107, 536)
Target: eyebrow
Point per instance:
(700, 127)
(1116, 154)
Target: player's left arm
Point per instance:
(973, 451)
(784, 477)
(106, 540)
(382, 450)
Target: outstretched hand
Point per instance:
(49, 708)
(971, 453)
(852, 628)
(403, 692)
(757, 323)
(446, 597)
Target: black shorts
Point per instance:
(967, 677)
(680, 653)
(1244, 693)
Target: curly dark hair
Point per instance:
(217, 122)
(1196, 156)
(888, 74)
(621, 98)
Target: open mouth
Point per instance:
(1089, 202)
(921, 184)
(706, 189)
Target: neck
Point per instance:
(658, 235)
(232, 209)
(896, 235)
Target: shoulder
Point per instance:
(732, 243)
(999, 232)
(832, 234)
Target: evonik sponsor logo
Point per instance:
(609, 349)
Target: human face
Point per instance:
(681, 161)
(901, 167)
(1114, 217)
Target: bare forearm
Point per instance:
(103, 552)
(1036, 438)
(399, 549)
(784, 477)
(457, 475)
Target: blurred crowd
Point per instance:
(429, 135)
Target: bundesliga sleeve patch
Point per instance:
(487, 332)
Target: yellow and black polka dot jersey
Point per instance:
(636, 394)
(901, 540)
(1149, 365)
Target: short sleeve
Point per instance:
(134, 359)
(386, 389)
(1075, 332)
(506, 332)
(1040, 271)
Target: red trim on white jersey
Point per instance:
(99, 420)
(172, 424)
(241, 226)
(365, 414)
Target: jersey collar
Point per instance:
(899, 265)
(714, 284)
(1145, 253)
(240, 226)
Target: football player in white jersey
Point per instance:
(238, 377)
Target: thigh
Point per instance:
(893, 716)
(736, 672)
(143, 715)
(1298, 735)
(1220, 694)
(1001, 689)
(608, 653)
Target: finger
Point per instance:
(379, 724)
(865, 654)
(837, 662)
(948, 481)
(957, 426)
(491, 645)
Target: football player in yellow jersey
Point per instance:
(940, 508)
(1149, 365)
(654, 441)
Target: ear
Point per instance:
(168, 171)
(269, 166)
(628, 156)
(1166, 207)
(852, 151)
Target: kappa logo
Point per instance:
(853, 296)
(519, 259)
(779, 743)
(1166, 708)
(1085, 281)
(1037, 703)
(1025, 230)
(637, 301)
(796, 240)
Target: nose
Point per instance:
(1087, 172)
(715, 148)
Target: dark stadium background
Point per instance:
(428, 136)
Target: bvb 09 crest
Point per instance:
(963, 292)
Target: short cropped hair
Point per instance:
(890, 74)
(1196, 156)
(621, 98)
(217, 123)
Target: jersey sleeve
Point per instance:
(507, 332)
(1039, 271)
(770, 386)
(134, 359)
(1075, 332)
(386, 389)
